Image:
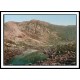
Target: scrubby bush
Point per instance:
(28, 59)
(62, 49)
(65, 54)
(9, 54)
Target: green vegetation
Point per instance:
(68, 34)
(26, 59)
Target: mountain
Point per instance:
(37, 32)
(29, 32)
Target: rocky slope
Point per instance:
(33, 32)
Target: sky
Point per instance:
(53, 19)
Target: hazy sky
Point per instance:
(54, 19)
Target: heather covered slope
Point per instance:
(37, 35)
